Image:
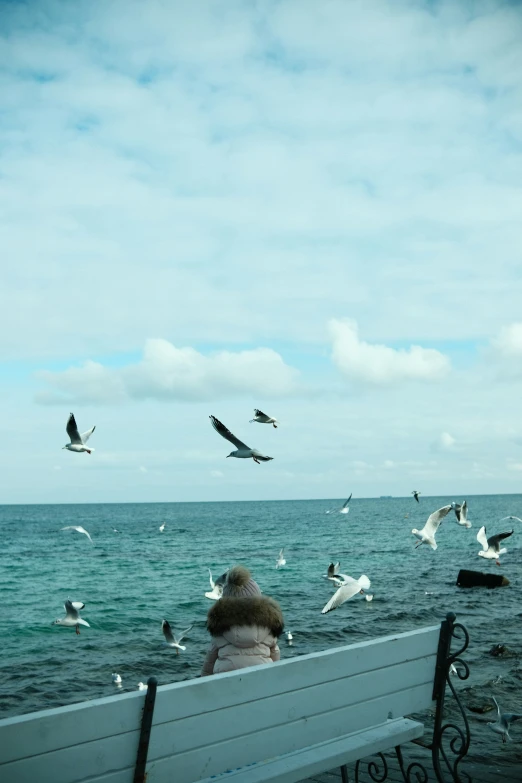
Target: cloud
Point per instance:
(170, 373)
(508, 343)
(379, 364)
(445, 442)
(216, 474)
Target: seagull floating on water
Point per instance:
(142, 686)
(170, 639)
(72, 616)
(350, 588)
(77, 441)
(162, 527)
(427, 534)
(504, 721)
(116, 679)
(217, 586)
(280, 562)
(262, 418)
(491, 546)
(369, 597)
(79, 529)
(416, 494)
(289, 636)
(461, 512)
(243, 451)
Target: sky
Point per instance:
(309, 208)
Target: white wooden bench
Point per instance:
(283, 723)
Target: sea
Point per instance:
(132, 579)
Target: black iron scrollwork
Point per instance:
(450, 742)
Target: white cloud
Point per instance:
(379, 364)
(508, 343)
(445, 442)
(170, 373)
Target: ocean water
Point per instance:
(131, 580)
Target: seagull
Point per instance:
(262, 418)
(217, 586)
(280, 560)
(243, 451)
(79, 529)
(77, 441)
(72, 616)
(504, 720)
(369, 597)
(347, 591)
(427, 534)
(334, 576)
(142, 686)
(491, 546)
(170, 639)
(116, 679)
(345, 509)
(162, 527)
(461, 512)
(517, 518)
(289, 636)
(115, 530)
(416, 494)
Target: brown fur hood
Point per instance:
(228, 612)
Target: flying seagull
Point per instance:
(280, 562)
(77, 441)
(504, 721)
(461, 512)
(72, 616)
(517, 518)
(334, 576)
(217, 586)
(416, 494)
(491, 546)
(345, 509)
(79, 529)
(243, 451)
(262, 418)
(162, 527)
(427, 534)
(170, 639)
(347, 591)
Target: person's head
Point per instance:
(239, 584)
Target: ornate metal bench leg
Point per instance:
(344, 774)
(146, 727)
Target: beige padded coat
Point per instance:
(244, 633)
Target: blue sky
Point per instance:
(311, 208)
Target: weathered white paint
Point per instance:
(205, 726)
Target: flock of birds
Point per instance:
(347, 586)
(491, 547)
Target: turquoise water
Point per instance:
(131, 580)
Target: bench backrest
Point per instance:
(205, 726)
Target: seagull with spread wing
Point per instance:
(334, 576)
(416, 494)
(280, 562)
(262, 418)
(79, 529)
(461, 512)
(170, 639)
(491, 546)
(77, 441)
(243, 451)
(427, 534)
(217, 587)
(504, 721)
(72, 616)
(348, 589)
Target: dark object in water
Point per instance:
(480, 708)
(501, 651)
(478, 579)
